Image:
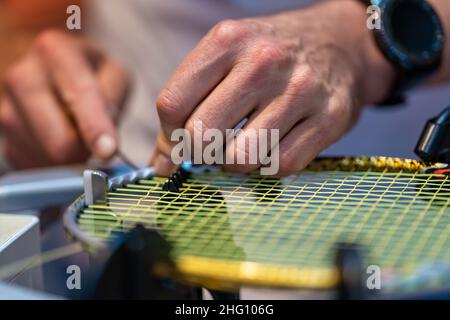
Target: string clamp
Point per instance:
(434, 143)
(95, 186)
(176, 180)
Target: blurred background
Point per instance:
(21, 21)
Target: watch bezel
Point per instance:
(399, 54)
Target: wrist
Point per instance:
(442, 8)
(378, 74)
(374, 74)
(353, 52)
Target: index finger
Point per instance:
(199, 74)
(77, 85)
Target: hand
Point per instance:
(305, 72)
(61, 102)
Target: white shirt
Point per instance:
(151, 37)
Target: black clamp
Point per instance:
(434, 143)
(349, 264)
(176, 180)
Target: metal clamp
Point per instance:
(434, 143)
(95, 186)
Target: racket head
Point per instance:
(291, 204)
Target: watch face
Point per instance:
(413, 32)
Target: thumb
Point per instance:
(160, 159)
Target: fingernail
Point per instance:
(105, 146)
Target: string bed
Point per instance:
(398, 214)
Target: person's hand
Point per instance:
(305, 72)
(61, 102)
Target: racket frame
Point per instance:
(197, 270)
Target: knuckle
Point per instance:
(302, 80)
(338, 117)
(264, 57)
(202, 122)
(190, 126)
(268, 53)
(169, 107)
(48, 40)
(229, 31)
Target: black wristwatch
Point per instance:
(411, 36)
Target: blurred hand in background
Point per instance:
(60, 101)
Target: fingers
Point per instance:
(114, 84)
(17, 137)
(319, 127)
(201, 71)
(76, 82)
(22, 146)
(296, 102)
(61, 103)
(306, 140)
(300, 147)
(113, 79)
(239, 69)
(160, 159)
(221, 81)
(230, 102)
(33, 98)
(247, 86)
(162, 164)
